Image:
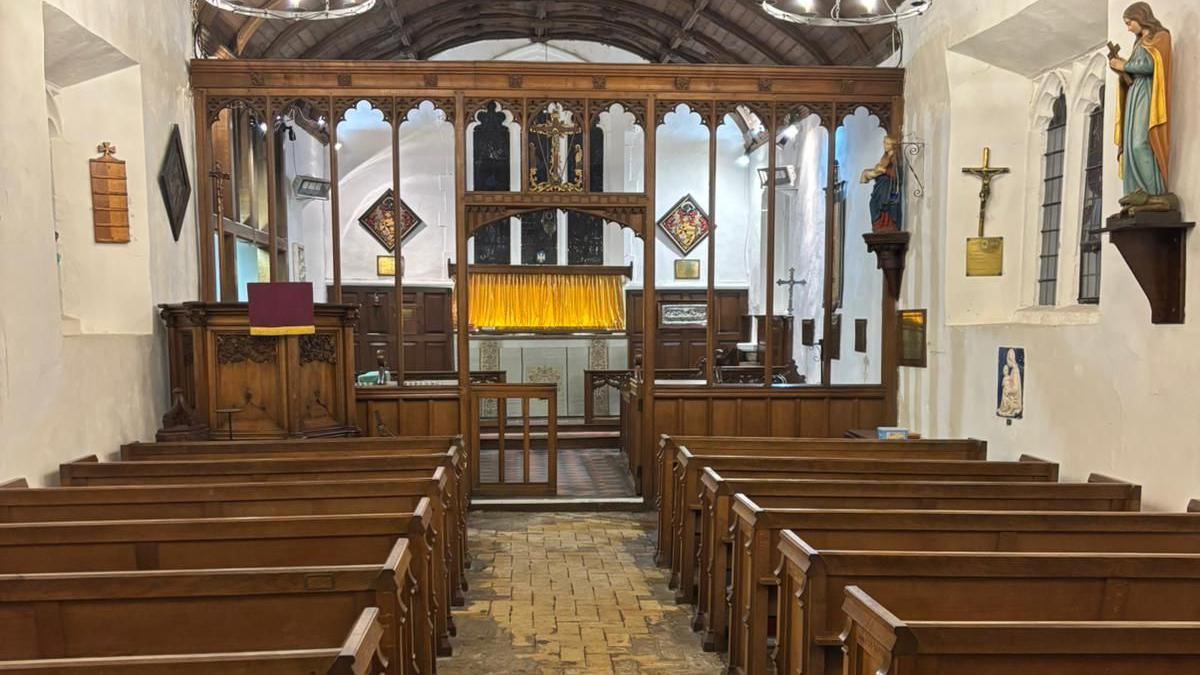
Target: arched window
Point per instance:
(1056, 133)
(1093, 197)
(493, 242)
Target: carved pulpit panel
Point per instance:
(249, 379)
(321, 404)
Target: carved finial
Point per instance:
(107, 150)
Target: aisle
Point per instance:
(571, 593)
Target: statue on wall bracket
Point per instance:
(1143, 114)
(887, 198)
(1149, 232)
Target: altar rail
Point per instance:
(529, 472)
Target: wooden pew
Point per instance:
(194, 544)
(217, 449)
(755, 540)
(89, 471)
(360, 653)
(688, 509)
(105, 614)
(878, 641)
(249, 499)
(972, 586)
(335, 448)
(669, 447)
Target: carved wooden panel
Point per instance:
(636, 107)
(428, 330)
(788, 112)
(248, 376)
(213, 105)
(423, 411)
(700, 107)
(320, 404)
(110, 197)
(342, 104)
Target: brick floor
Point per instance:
(591, 472)
(571, 593)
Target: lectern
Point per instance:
(282, 386)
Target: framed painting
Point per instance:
(913, 338)
(693, 315)
(380, 220)
(686, 224)
(173, 183)
(1010, 383)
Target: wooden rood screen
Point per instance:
(517, 458)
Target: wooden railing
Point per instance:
(595, 381)
(525, 471)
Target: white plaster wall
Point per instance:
(61, 397)
(309, 220)
(1106, 391)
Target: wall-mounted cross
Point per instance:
(106, 150)
(986, 173)
(219, 177)
(791, 282)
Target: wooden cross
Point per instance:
(219, 177)
(986, 173)
(106, 150)
(791, 282)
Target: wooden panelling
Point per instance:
(683, 347)
(414, 411)
(428, 329)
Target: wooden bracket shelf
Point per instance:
(1154, 247)
(891, 248)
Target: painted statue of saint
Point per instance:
(886, 206)
(1143, 129)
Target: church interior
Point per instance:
(621, 336)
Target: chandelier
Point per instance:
(296, 10)
(856, 12)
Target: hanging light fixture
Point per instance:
(296, 10)
(845, 14)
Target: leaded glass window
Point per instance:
(1056, 134)
(1093, 197)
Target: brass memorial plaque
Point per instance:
(985, 256)
(385, 266)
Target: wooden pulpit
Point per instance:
(231, 384)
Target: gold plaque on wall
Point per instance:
(913, 338)
(985, 256)
(687, 269)
(385, 265)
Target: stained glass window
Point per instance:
(492, 173)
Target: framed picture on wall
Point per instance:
(913, 353)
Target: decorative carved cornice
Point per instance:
(215, 104)
(880, 109)
(232, 348)
(635, 107)
(343, 104)
(474, 106)
(318, 105)
(318, 348)
(703, 108)
(793, 111)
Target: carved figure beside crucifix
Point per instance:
(985, 255)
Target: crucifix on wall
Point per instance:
(985, 255)
(791, 282)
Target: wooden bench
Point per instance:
(878, 641)
(755, 542)
(129, 545)
(689, 509)
(105, 614)
(245, 500)
(669, 447)
(972, 586)
(89, 471)
(360, 653)
(334, 448)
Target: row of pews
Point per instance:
(920, 557)
(339, 556)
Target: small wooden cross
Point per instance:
(791, 282)
(107, 151)
(986, 173)
(219, 177)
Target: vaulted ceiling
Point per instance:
(678, 31)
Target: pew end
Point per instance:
(1193, 506)
(1135, 499)
(15, 483)
(362, 653)
(1034, 459)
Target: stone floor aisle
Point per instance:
(570, 593)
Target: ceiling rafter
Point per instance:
(707, 31)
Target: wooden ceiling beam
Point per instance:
(698, 7)
(797, 34)
(250, 26)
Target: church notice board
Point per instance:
(110, 197)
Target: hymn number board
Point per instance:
(110, 197)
